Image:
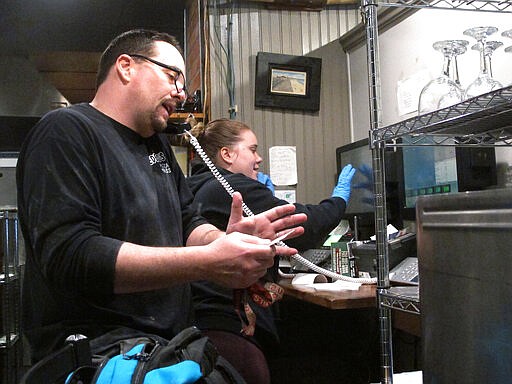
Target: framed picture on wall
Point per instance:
(287, 82)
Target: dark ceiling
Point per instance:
(64, 38)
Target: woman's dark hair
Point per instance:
(139, 41)
(217, 134)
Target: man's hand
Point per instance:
(238, 260)
(266, 225)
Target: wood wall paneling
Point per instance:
(193, 45)
(315, 33)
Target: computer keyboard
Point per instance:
(405, 272)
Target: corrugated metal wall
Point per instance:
(316, 135)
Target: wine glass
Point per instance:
(507, 34)
(444, 90)
(484, 82)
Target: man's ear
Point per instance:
(124, 66)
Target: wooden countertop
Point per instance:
(364, 297)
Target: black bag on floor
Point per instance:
(189, 357)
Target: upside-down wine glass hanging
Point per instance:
(484, 82)
(444, 90)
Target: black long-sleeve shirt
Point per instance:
(213, 304)
(86, 184)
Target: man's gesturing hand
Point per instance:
(266, 225)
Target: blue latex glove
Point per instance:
(342, 189)
(265, 180)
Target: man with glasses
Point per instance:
(175, 74)
(112, 236)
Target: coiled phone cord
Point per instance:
(229, 189)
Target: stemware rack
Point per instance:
(463, 5)
(455, 125)
(406, 299)
(485, 120)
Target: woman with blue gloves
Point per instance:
(232, 146)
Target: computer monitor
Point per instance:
(359, 155)
(413, 171)
(361, 204)
(428, 171)
(432, 170)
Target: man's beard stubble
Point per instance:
(157, 123)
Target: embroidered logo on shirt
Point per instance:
(160, 159)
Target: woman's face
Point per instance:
(244, 155)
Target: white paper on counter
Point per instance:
(319, 283)
(283, 165)
(337, 286)
(308, 279)
(415, 377)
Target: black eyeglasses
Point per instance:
(176, 76)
